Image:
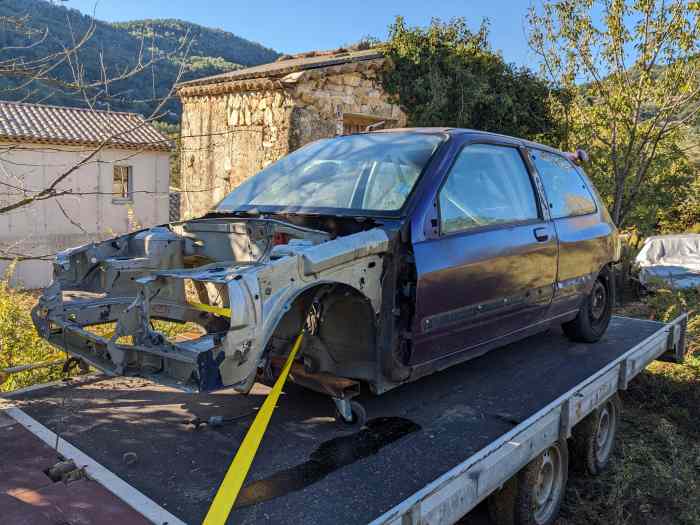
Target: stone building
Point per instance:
(234, 124)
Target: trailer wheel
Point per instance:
(593, 439)
(535, 494)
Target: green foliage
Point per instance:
(122, 46)
(215, 44)
(19, 342)
(447, 75)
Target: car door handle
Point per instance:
(541, 234)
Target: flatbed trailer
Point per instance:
(432, 450)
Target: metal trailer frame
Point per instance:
(458, 491)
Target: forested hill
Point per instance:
(204, 51)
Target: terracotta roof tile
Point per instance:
(65, 125)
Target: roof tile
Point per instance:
(65, 125)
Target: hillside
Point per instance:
(204, 51)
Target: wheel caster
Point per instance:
(593, 439)
(350, 413)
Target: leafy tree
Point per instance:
(631, 77)
(448, 75)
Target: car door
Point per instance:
(490, 267)
(583, 226)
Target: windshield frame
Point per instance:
(255, 209)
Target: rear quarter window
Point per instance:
(567, 193)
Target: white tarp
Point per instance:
(675, 259)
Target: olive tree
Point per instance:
(630, 73)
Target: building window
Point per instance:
(357, 123)
(122, 184)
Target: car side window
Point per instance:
(487, 185)
(566, 191)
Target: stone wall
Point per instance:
(226, 138)
(323, 98)
(230, 132)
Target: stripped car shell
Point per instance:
(372, 243)
(260, 285)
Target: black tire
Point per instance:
(595, 312)
(593, 439)
(520, 502)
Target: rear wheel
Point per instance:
(595, 312)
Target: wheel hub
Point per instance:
(604, 434)
(599, 299)
(548, 485)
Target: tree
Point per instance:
(631, 77)
(448, 75)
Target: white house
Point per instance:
(114, 176)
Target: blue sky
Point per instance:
(293, 26)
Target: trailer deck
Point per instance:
(431, 451)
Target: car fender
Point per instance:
(266, 292)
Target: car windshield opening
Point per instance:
(365, 172)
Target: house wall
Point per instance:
(230, 132)
(43, 227)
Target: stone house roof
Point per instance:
(44, 124)
(286, 70)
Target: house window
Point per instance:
(122, 184)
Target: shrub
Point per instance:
(19, 342)
(447, 75)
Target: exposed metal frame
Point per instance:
(448, 498)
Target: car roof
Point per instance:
(473, 133)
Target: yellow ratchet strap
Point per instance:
(238, 470)
(217, 310)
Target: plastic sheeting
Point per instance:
(675, 259)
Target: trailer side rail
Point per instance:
(458, 491)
